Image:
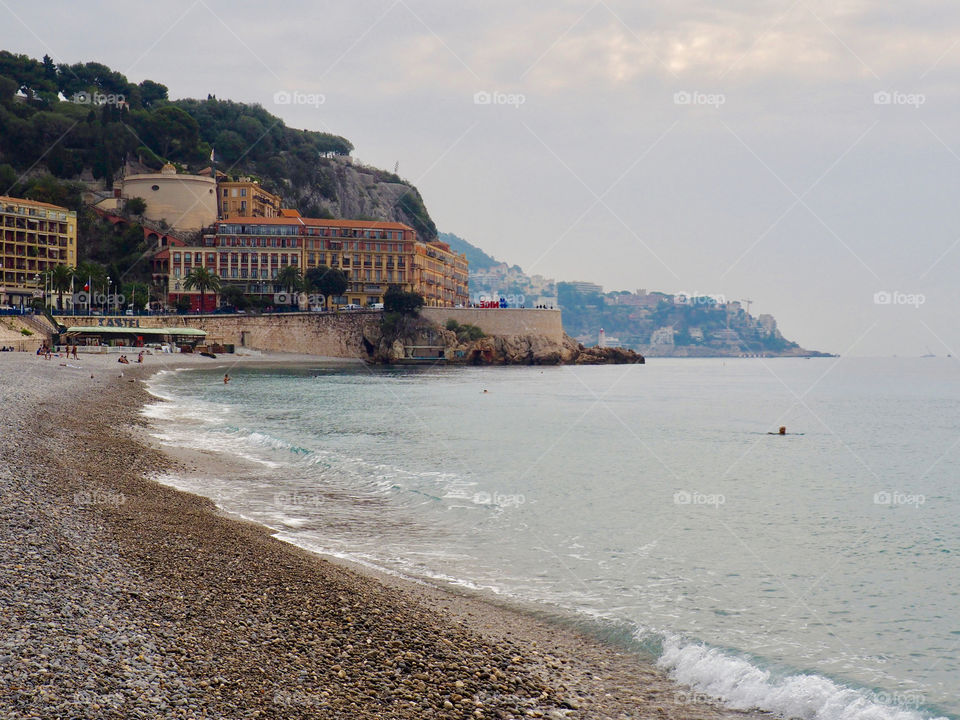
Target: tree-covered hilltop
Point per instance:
(86, 120)
(476, 257)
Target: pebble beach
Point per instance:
(124, 598)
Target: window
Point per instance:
(176, 258)
(233, 192)
(176, 272)
(243, 193)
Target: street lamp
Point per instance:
(108, 295)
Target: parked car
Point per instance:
(352, 306)
(376, 306)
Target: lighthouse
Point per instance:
(602, 342)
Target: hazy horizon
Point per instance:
(800, 154)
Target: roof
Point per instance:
(244, 220)
(317, 222)
(289, 213)
(372, 224)
(135, 331)
(37, 203)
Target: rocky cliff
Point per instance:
(351, 190)
(394, 341)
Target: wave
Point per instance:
(739, 684)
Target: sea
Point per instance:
(814, 574)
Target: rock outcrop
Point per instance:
(435, 343)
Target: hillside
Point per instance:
(477, 258)
(86, 122)
(654, 323)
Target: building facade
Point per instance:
(35, 237)
(244, 198)
(440, 275)
(251, 253)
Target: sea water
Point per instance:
(813, 575)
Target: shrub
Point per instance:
(465, 332)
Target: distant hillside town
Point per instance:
(654, 323)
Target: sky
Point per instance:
(802, 154)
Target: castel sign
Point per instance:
(117, 322)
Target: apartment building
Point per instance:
(35, 237)
(373, 255)
(244, 198)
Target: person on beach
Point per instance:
(75, 353)
(226, 378)
(140, 357)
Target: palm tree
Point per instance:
(202, 279)
(290, 279)
(60, 279)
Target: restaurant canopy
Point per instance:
(144, 332)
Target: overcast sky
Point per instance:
(804, 154)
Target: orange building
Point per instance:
(440, 275)
(373, 255)
(35, 237)
(244, 198)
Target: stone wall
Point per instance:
(506, 321)
(330, 334)
(325, 334)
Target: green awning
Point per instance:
(192, 332)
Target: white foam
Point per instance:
(741, 685)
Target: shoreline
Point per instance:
(216, 615)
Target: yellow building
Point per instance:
(440, 275)
(35, 237)
(245, 198)
(373, 255)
